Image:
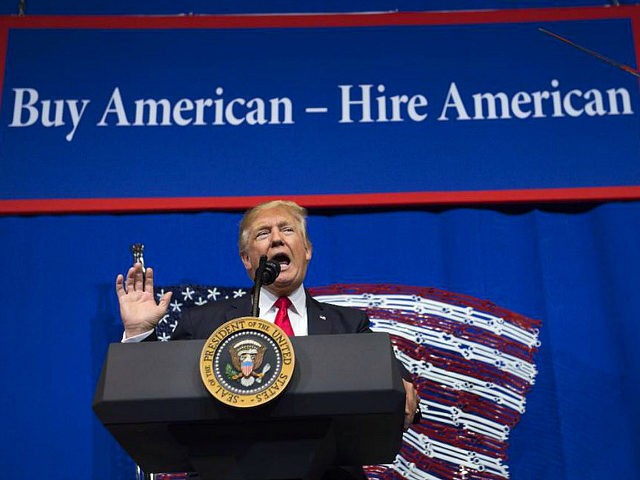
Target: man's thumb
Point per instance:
(164, 300)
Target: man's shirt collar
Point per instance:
(298, 300)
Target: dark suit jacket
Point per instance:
(323, 318)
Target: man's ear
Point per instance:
(245, 261)
(308, 251)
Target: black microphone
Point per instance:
(266, 274)
(270, 272)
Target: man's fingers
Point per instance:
(409, 416)
(130, 279)
(410, 404)
(148, 280)
(407, 421)
(120, 285)
(138, 277)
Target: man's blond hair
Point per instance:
(299, 214)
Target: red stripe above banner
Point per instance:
(317, 20)
(186, 204)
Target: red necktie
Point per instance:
(282, 317)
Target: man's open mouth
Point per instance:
(282, 258)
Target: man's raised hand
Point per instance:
(138, 308)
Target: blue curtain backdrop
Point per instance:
(577, 268)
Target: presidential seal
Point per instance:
(247, 362)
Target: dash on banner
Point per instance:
(316, 109)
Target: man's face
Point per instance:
(276, 234)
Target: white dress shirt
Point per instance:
(297, 311)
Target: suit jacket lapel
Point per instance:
(318, 322)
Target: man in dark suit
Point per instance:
(322, 318)
(276, 229)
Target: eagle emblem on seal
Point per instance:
(246, 359)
